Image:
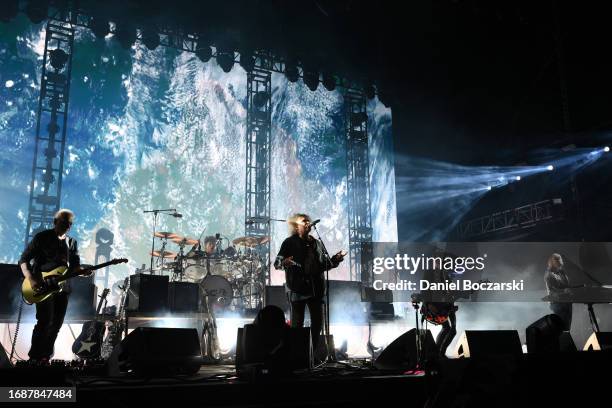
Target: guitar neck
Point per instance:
(84, 271)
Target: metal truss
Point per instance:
(48, 164)
(358, 178)
(527, 216)
(258, 160)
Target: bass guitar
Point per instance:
(53, 278)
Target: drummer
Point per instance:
(210, 247)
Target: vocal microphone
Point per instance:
(315, 222)
(177, 215)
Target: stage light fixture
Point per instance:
(100, 28)
(260, 99)
(291, 71)
(204, 52)
(311, 78)
(247, 60)
(606, 149)
(329, 81)
(150, 38)
(9, 10)
(369, 91)
(550, 167)
(37, 10)
(58, 58)
(125, 34)
(518, 178)
(225, 58)
(489, 188)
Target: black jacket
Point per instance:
(306, 279)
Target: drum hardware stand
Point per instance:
(211, 350)
(155, 213)
(178, 269)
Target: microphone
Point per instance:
(177, 215)
(315, 222)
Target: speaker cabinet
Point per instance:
(546, 335)
(147, 293)
(402, 353)
(183, 296)
(276, 349)
(478, 343)
(599, 341)
(276, 296)
(155, 351)
(10, 288)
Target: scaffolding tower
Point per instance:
(358, 179)
(258, 160)
(48, 163)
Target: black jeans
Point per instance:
(447, 334)
(315, 308)
(49, 319)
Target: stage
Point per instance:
(493, 381)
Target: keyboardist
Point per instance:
(557, 282)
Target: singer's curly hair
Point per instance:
(292, 222)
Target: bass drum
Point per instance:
(216, 292)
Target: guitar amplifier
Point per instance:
(83, 298)
(183, 296)
(147, 293)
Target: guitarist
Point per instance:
(302, 258)
(443, 311)
(48, 250)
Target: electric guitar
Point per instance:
(89, 342)
(54, 277)
(438, 312)
(115, 331)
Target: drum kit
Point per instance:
(231, 278)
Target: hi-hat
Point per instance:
(164, 254)
(251, 241)
(165, 235)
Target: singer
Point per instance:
(301, 257)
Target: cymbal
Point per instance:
(165, 235)
(165, 254)
(184, 240)
(251, 241)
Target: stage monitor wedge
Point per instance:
(401, 354)
(479, 343)
(599, 341)
(155, 351)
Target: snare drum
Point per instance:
(194, 272)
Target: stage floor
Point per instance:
(337, 385)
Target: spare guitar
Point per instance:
(53, 279)
(117, 326)
(88, 344)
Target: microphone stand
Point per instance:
(331, 355)
(155, 212)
